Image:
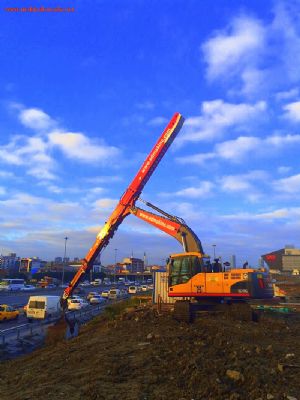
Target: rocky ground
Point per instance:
(142, 355)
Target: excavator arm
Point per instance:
(172, 225)
(126, 202)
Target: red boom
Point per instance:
(127, 200)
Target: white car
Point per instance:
(132, 290)
(97, 299)
(144, 288)
(28, 288)
(77, 304)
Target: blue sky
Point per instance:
(85, 95)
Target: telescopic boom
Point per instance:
(127, 201)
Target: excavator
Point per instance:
(200, 284)
(187, 275)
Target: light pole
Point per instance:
(64, 261)
(116, 250)
(214, 247)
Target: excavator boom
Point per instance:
(127, 200)
(171, 225)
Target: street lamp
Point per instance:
(116, 250)
(214, 247)
(64, 261)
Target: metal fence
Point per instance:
(40, 327)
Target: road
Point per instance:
(19, 299)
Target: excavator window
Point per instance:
(183, 268)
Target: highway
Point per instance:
(18, 299)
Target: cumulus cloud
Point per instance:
(203, 189)
(238, 45)
(78, 146)
(292, 111)
(36, 119)
(255, 57)
(30, 152)
(289, 185)
(236, 150)
(217, 116)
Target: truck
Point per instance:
(42, 307)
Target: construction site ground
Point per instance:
(141, 354)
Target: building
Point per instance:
(133, 264)
(30, 265)
(58, 260)
(283, 260)
(9, 263)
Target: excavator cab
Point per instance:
(182, 267)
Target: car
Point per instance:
(28, 288)
(85, 283)
(91, 294)
(105, 293)
(8, 312)
(96, 299)
(144, 288)
(132, 290)
(114, 294)
(74, 296)
(77, 304)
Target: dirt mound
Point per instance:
(144, 356)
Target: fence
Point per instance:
(40, 327)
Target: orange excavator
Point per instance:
(189, 274)
(193, 278)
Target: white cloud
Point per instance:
(283, 169)
(292, 111)
(287, 94)
(290, 185)
(283, 213)
(228, 51)
(245, 183)
(203, 189)
(217, 116)
(36, 119)
(2, 190)
(78, 146)
(257, 58)
(157, 121)
(239, 149)
(31, 152)
(106, 204)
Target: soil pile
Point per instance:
(145, 356)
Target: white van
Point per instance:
(41, 307)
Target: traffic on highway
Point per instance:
(87, 295)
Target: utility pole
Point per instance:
(64, 261)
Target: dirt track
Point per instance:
(142, 355)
